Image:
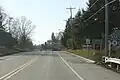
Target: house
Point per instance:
(6, 39)
(114, 38)
(115, 35)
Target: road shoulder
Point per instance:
(89, 71)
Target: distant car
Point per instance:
(54, 49)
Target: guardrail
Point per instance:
(112, 63)
(113, 60)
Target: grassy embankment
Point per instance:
(90, 54)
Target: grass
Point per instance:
(90, 54)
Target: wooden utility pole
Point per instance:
(71, 25)
(106, 27)
(70, 11)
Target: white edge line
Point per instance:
(88, 60)
(20, 69)
(15, 70)
(70, 67)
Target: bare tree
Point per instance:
(14, 29)
(21, 29)
(26, 27)
(3, 19)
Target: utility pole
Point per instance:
(70, 11)
(71, 24)
(10, 18)
(106, 27)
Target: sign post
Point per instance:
(109, 48)
(101, 44)
(87, 42)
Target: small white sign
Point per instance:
(87, 41)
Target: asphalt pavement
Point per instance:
(51, 65)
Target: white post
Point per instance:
(117, 67)
(109, 49)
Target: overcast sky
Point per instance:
(47, 15)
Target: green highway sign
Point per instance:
(96, 41)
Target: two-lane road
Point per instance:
(49, 65)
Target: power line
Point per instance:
(110, 2)
(88, 9)
(93, 4)
(94, 14)
(100, 10)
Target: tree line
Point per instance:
(19, 30)
(87, 24)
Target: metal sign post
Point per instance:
(109, 48)
(87, 42)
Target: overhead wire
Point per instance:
(93, 4)
(99, 10)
